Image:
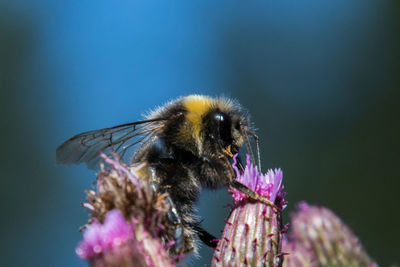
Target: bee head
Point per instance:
(214, 124)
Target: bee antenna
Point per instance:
(249, 148)
(258, 149)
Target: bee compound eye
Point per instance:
(224, 126)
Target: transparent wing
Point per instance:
(122, 139)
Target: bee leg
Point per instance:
(175, 219)
(206, 237)
(234, 184)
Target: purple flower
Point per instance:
(102, 238)
(253, 232)
(268, 185)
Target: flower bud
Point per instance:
(320, 232)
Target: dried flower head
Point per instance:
(253, 232)
(128, 225)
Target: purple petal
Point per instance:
(268, 185)
(99, 238)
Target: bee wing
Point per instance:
(122, 139)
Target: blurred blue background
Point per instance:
(320, 78)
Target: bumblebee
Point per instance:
(187, 145)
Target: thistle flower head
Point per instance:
(323, 234)
(253, 232)
(268, 185)
(128, 225)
